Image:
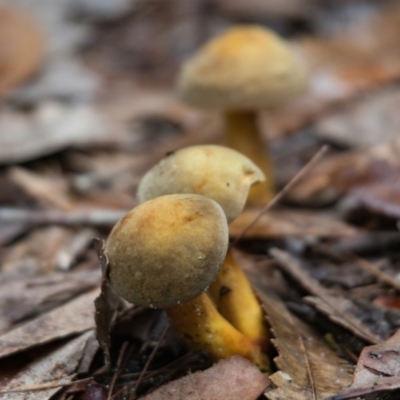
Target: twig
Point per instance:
(118, 369)
(47, 217)
(304, 171)
(44, 386)
(147, 365)
(373, 270)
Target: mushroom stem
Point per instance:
(199, 322)
(242, 135)
(237, 302)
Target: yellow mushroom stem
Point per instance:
(237, 302)
(242, 135)
(205, 329)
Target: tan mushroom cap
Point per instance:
(217, 172)
(248, 67)
(168, 250)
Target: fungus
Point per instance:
(21, 48)
(240, 72)
(165, 253)
(225, 176)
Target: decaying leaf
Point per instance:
(378, 198)
(337, 308)
(74, 317)
(51, 127)
(378, 370)
(338, 174)
(30, 258)
(233, 379)
(24, 298)
(281, 222)
(53, 368)
(373, 120)
(308, 367)
(107, 304)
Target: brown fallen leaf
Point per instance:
(107, 304)
(234, 379)
(52, 126)
(74, 317)
(284, 222)
(308, 367)
(378, 198)
(378, 370)
(29, 257)
(21, 48)
(24, 298)
(336, 308)
(372, 120)
(336, 175)
(57, 367)
(360, 57)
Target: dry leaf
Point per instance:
(308, 367)
(74, 317)
(360, 57)
(336, 308)
(281, 222)
(30, 258)
(234, 379)
(336, 175)
(372, 120)
(107, 304)
(24, 298)
(51, 127)
(378, 370)
(57, 367)
(378, 198)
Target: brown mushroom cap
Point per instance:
(22, 48)
(249, 67)
(217, 172)
(168, 250)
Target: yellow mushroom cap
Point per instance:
(248, 67)
(217, 172)
(168, 250)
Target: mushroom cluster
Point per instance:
(171, 251)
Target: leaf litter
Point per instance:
(101, 110)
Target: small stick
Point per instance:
(118, 369)
(304, 171)
(44, 386)
(147, 365)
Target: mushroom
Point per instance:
(165, 253)
(225, 176)
(21, 48)
(217, 172)
(246, 69)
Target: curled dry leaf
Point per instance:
(53, 368)
(372, 120)
(336, 175)
(107, 304)
(378, 370)
(378, 198)
(234, 379)
(29, 257)
(338, 309)
(283, 222)
(308, 367)
(69, 319)
(24, 298)
(21, 48)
